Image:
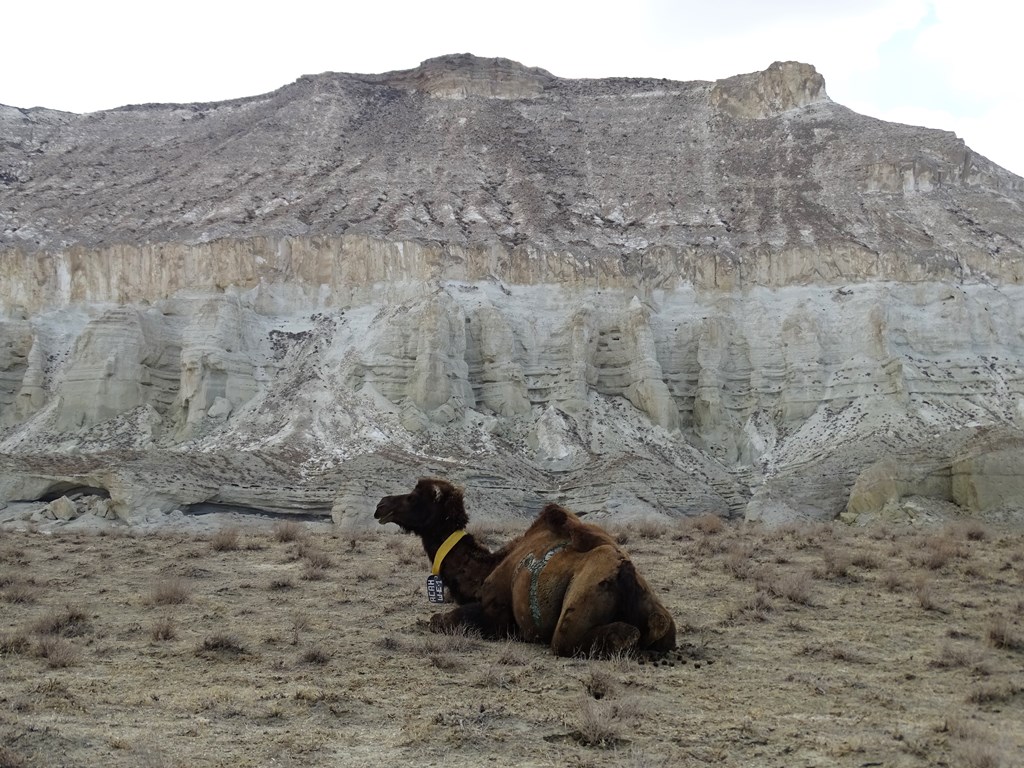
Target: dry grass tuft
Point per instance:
(313, 573)
(11, 759)
(513, 655)
(20, 593)
(796, 586)
(315, 655)
(163, 629)
(599, 682)
(72, 621)
(979, 754)
(739, 561)
(226, 540)
(1001, 634)
(288, 530)
(222, 643)
(597, 726)
(173, 591)
(57, 652)
(17, 643)
(758, 607)
(837, 562)
(924, 591)
(894, 581)
(869, 561)
(709, 525)
(939, 551)
(955, 656)
(648, 529)
(994, 693)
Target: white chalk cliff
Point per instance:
(632, 296)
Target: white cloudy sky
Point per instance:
(949, 64)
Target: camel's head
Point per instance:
(434, 506)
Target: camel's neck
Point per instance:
(464, 568)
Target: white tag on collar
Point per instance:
(435, 589)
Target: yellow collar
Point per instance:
(450, 542)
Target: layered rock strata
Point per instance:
(636, 297)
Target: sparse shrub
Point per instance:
(389, 643)
(70, 622)
(974, 530)
(924, 591)
(11, 759)
(313, 573)
(867, 560)
(837, 562)
(163, 629)
(847, 653)
(14, 644)
(225, 540)
(893, 581)
(287, 530)
(994, 693)
(758, 607)
(598, 725)
(1000, 634)
(300, 623)
(739, 561)
(599, 682)
(953, 656)
(709, 524)
(20, 593)
(222, 643)
(172, 591)
(797, 587)
(316, 558)
(939, 551)
(513, 655)
(57, 652)
(979, 754)
(648, 529)
(315, 655)
(445, 661)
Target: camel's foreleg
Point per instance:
(471, 616)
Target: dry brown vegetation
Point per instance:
(298, 645)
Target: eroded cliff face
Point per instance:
(634, 297)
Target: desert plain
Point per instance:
(280, 643)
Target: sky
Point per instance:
(947, 64)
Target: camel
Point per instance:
(563, 582)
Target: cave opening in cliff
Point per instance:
(72, 490)
(212, 508)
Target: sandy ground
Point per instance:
(298, 645)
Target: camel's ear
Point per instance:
(450, 499)
(439, 491)
(426, 487)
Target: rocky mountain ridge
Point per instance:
(636, 297)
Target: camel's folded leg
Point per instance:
(588, 624)
(603, 641)
(471, 616)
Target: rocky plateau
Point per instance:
(637, 297)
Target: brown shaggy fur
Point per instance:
(563, 582)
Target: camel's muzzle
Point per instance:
(385, 511)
